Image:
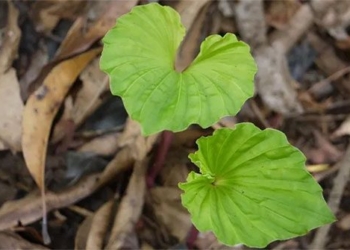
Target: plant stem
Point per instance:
(191, 237)
(162, 150)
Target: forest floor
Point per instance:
(84, 144)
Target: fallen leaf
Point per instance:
(78, 40)
(47, 14)
(278, 13)
(65, 127)
(129, 211)
(82, 234)
(166, 204)
(344, 223)
(344, 129)
(9, 48)
(41, 109)
(38, 60)
(207, 240)
(95, 83)
(192, 15)
(99, 226)
(104, 145)
(324, 151)
(29, 208)
(87, 100)
(11, 240)
(10, 111)
(39, 113)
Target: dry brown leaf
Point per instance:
(100, 224)
(325, 151)
(41, 109)
(95, 83)
(29, 209)
(105, 145)
(344, 129)
(207, 240)
(10, 111)
(92, 232)
(38, 60)
(175, 168)
(134, 147)
(344, 223)
(78, 40)
(11, 240)
(278, 13)
(9, 47)
(192, 14)
(46, 14)
(130, 209)
(274, 82)
(39, 113)
(329, 62)
(65, 127)
(168, 210)
(82, 234)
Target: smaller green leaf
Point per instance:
(253, 188)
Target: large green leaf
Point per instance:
(139, 55)
(253, 188)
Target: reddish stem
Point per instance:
(192, 237)
(162, 151)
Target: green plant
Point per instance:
(253, 187)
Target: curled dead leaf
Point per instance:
(38, 116)
(41, 109)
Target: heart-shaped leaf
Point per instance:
(139, 56)
(253, 188)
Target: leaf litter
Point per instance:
(123, 212)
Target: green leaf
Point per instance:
(253, 188)
(139, 55)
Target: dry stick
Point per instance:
(339, 184)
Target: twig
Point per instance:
(340, 182)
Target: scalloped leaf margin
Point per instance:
(253, 188)
(139, 55)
